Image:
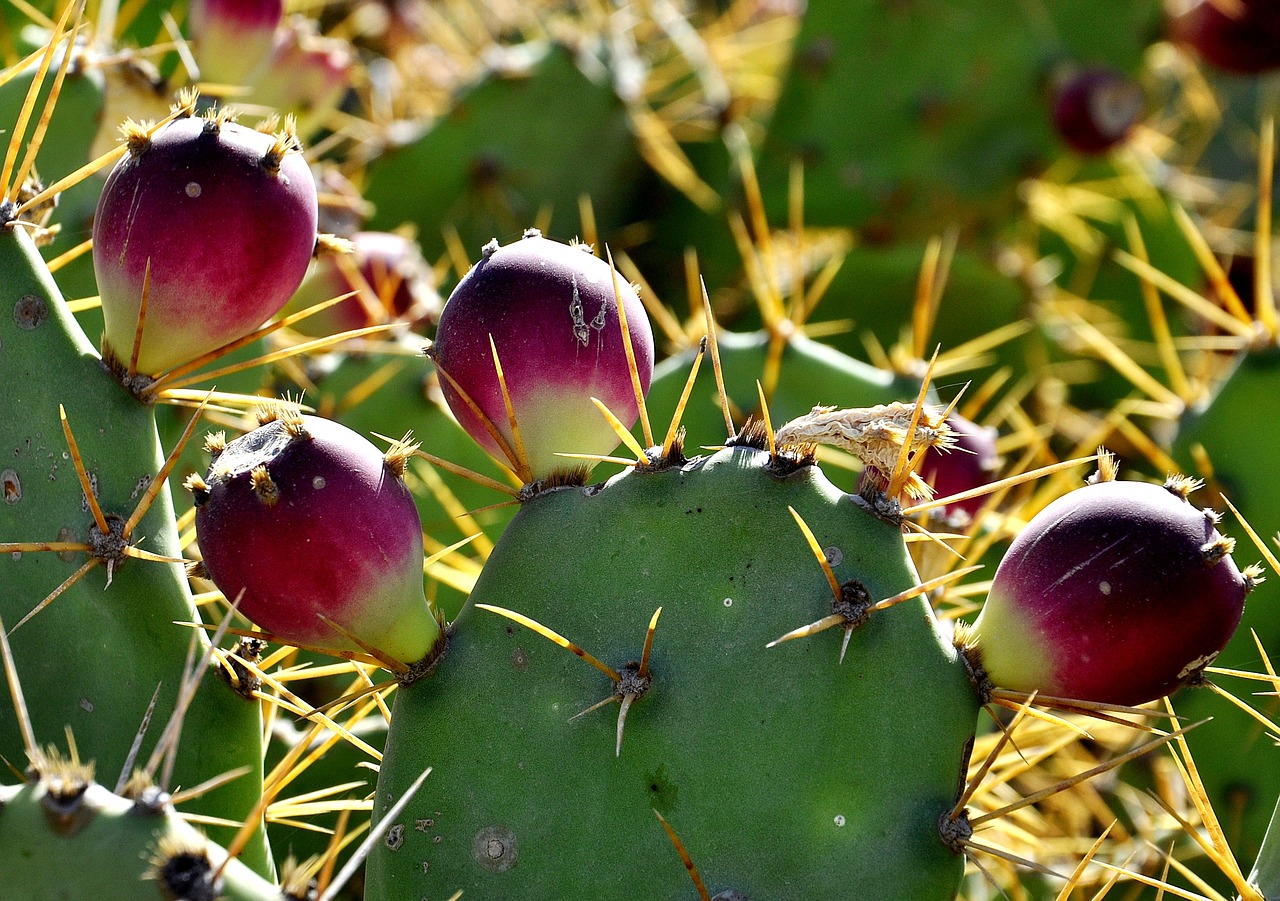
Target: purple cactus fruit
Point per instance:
(304, 520)
(1241, 37)
(224, 216)
(389, 265)
(1095, 109)
(970, 464)
(551, 312)
(306, 74)
(231, 38)
(1117, 592)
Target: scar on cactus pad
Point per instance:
(528, 338)
(203, 232)
(311, 528)
(1118, 592)
(890, 440)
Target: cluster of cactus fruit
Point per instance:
(731, 660)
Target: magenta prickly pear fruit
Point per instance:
(970, 463)
(1117, 592)
(1095, 109)
(385, 265)
(309, 524)
(551, 313)
(223, 216)
(231, 38)
(306, 74)
(1242, 37)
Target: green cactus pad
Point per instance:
(911, 115)
(68, 142)
(1266, 869)
(1240, 439)
(783, 772)
(96, 654)
(86, 842)
(476, 169)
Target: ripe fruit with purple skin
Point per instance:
(551, 313)
(1117, 592)
(223, 216)
(305, 74)
(1095, 109)
(231, 38)
(971, 463)
(306, 521)
(393, 280)
(1243, 37)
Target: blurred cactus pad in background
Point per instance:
(673, 450)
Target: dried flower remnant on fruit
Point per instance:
(876, 435)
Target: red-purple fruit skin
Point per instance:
(393, 268)
(1096, 109)
(342, 539)
(1107, 595)
(231, 38)
(305, 73)
(227, 238)
(1245, 43)
(551, 312)
(972, 463)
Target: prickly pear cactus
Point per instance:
(782, 771)
(473, 171)
(136, 843)
(960, 117)
(108, 641)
